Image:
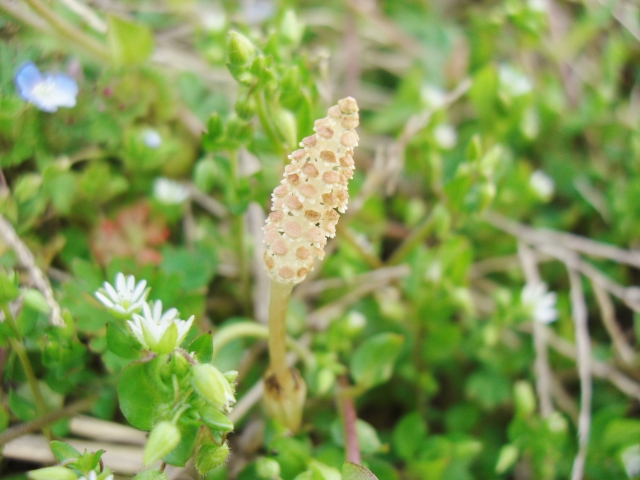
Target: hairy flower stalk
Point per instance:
(305, 211)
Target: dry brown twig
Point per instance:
(571, 241)
(27, 261)
(599, 369)
(608, 314)
(583, 358)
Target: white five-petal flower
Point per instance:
(126, 298)
(150, 327)
(46, 91)
(539, 302)
(169, 192)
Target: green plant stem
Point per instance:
(239, 233)
(267, 123)
(18, 347)
(69, 31)
(279, 294)
(252, 329)
(416, 237)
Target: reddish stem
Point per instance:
(349, 417)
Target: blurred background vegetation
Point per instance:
(499, 145)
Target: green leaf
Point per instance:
(22, 408)
(8, 289)
(121, 342)
(196, 267)
(507, 458)
(409, 435)
(63, 451)
(130, 43)
(202, 346)
(320, 471)
(372, 363)
(292, 455)
(142, 394)
(150, 475)
(352, 471)
(35, 300)
(367, 436)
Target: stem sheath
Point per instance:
(279, 294)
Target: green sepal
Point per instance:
(202, 346)
(214, 419)
(210, 457)
(63, 451)
(122, 342)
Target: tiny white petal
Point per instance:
(105, 301)
(111, 292)
(138, 291)
(120, 282)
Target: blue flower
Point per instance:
(46, 91)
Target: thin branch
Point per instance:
(347, 235)
(583, 348)
(567, 240)
(599, 369)
(47, 419)
(25, 257)
(210, 204)
(563, 399)
(608, 314)
(417, 236)
(321, 318)
(105, 431)
(349, 417)
(416, 123)
(541, 363)
(312, 289)
(87, 14)
(629, 295)
(494, 264)
(70, 32)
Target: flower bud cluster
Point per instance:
(313, 191)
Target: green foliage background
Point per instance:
(460, 103)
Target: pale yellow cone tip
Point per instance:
(307, 202)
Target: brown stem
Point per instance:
(349, 417)
(37, 424)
